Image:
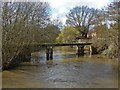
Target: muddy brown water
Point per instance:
(65, 71)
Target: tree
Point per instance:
(21, 21)
(68, 34)
(109, 32)
(82, 18)
(57, 22)
(113, 17)
(53, 32)
(100, 41)
(47, 34)
(112, 12)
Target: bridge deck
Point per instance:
(37, 47)
(62, 44)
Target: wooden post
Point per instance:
(47, 53)
(90, 50)
(80, 50)
(51, 53)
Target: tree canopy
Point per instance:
(82, 17)
(111, 32)
(68, 34)
(24, 23)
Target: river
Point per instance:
(65, 71)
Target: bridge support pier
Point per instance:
(90, 50)
(49, 53)
(80, 50)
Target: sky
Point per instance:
(59, 8)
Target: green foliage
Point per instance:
(111, 51)
(99, 41)
(106, 40)
(68, 34)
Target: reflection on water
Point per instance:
(66, 71)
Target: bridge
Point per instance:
(49, 48)
(25, 54)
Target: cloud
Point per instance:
(72, 3)
(59, 8)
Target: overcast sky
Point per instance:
(59, 8)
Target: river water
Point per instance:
(65, 71)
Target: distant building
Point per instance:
(90, 35)
(96, 33)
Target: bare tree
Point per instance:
(21, 21)
(82, 18)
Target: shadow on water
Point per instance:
(66, 71)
